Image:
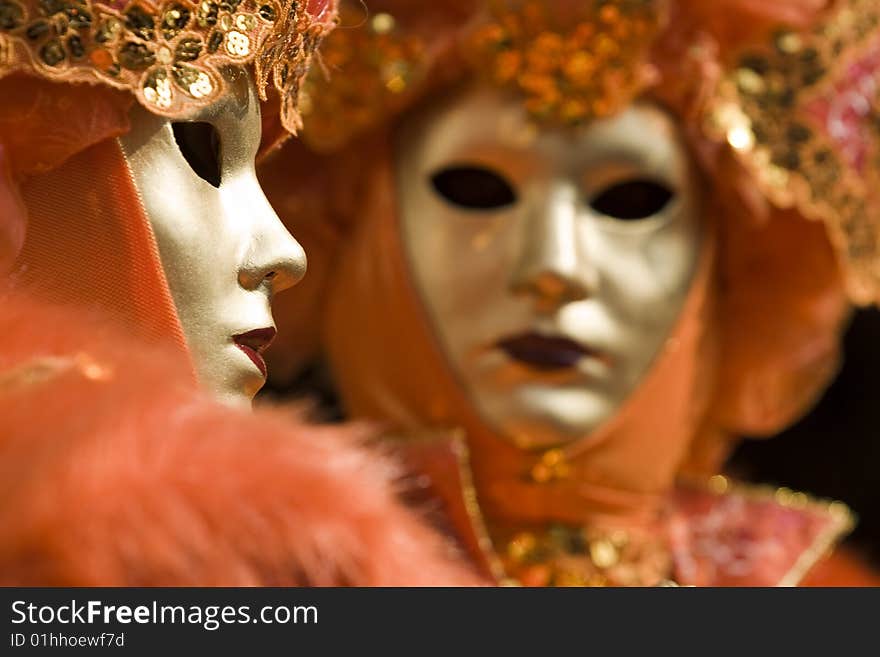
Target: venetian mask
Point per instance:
(224, 251)
(552, 263)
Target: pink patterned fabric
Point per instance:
(744, 538)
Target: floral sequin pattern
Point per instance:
(170, 54)
(570, 69)
(567, 71)
(803, 115)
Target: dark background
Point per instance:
(835, 451)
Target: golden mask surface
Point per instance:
(223, 249)
(552, 263)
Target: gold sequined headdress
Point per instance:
(803, 115)
(570, 61)
(569, 67)
(169, 54)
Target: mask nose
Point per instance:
(275, 260)
(551, 268)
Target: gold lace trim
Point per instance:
(168, 55)
(803, 116)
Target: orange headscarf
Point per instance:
(88, 242)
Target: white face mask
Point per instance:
(223, 249)
(553, 263)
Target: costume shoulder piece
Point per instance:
(714, 533)
(725, 534)
(168, 54)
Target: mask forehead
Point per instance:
(484, 122)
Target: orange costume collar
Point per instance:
(710, 532)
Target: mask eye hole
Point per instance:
(632, 200)
(474, 188)
(199, 143)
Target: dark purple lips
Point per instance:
(544, 352)
(254, 343)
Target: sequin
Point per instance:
(174, 20)
(108, 30)
(603, 553)
(74, 14)
(75, 47)
(245, 22)
(237, 44)
(188, 50)
(208, 13)
(553, 465)
(741, 138)
(215, 41)
(193, 81)
(135, 56)
(789, 42)
(139, 22)
(267, 13)
(11, 15)
(157, 89)
(749, 81)
(201, 86)
(566, 71)
(52, 53)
